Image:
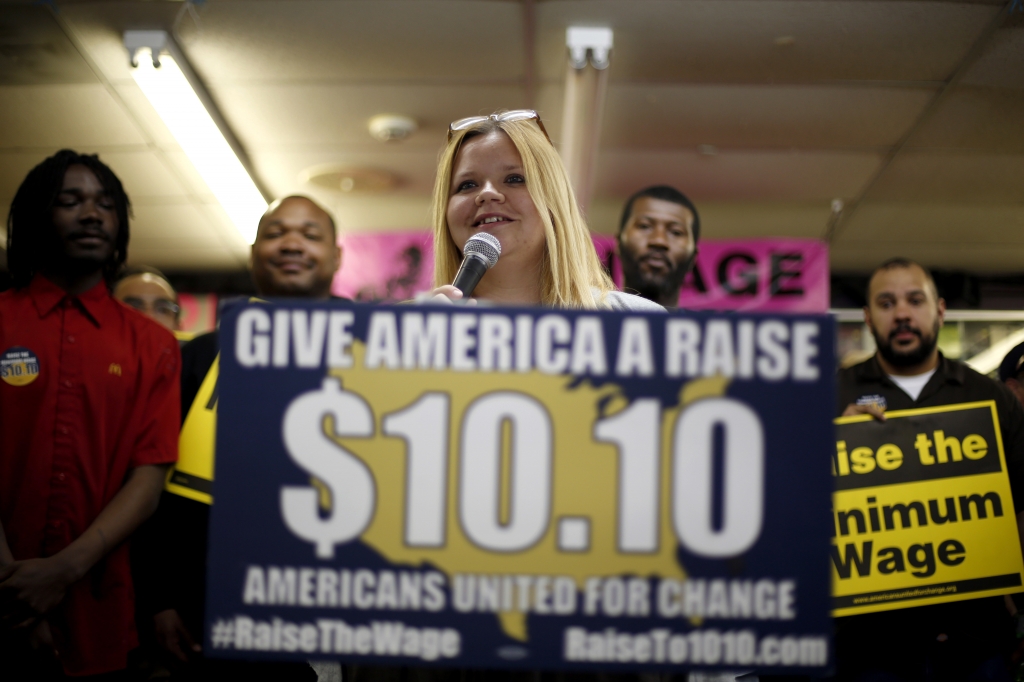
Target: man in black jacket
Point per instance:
(953, 641)
(295, 255)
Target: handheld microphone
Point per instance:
(478, 256)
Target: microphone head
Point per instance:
(483, 244)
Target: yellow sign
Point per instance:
(922, 512)
(192, 476)
(586, 540)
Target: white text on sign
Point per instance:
(423, 427)
(768, 350)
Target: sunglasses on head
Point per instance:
(514, 115)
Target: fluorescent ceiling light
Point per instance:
(177, 103)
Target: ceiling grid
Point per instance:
(764, 111)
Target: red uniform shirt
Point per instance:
(88, 390)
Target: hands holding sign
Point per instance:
(873, 409)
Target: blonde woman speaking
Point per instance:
(500, 174)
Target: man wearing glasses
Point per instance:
(148, 291)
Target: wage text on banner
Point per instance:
(755, 275)
(526, 488)
(923, 512)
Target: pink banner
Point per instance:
(381, 266)
(198, 313)
(773, 275)
(776, 275)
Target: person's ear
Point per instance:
(1016, 388)
(867, 318)
(339, 252)
(942, 310)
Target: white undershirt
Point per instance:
(912, 386)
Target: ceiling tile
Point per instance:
(549, 102)
(14, 166)
(314, 115)
(983, 238)
(179, 166)
(145, 176)
(183, 227)
(35, 51)
(168, 256)
(55, 116)
(737, 176)
(947, 176)
(184, 221)
(384, 40)
(735, 40)
(946, 223)
(1000, 64)
(370, 214)
(977, 258)
(742, 220)
(976, 118)
(412, 168)
(759, 116)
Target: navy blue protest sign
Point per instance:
(522, 488)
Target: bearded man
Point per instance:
(658, 237)
(953, 641)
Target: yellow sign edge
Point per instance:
(955, 407)
(205, 498)
(925, 601)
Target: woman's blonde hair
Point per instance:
(572, 276)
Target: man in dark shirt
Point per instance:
(959, 640)
(296, 255)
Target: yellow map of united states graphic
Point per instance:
(584, 481)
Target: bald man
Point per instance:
(296, 251)
(295, 255)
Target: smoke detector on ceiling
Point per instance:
(391, 127)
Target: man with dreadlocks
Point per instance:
(89, 414)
